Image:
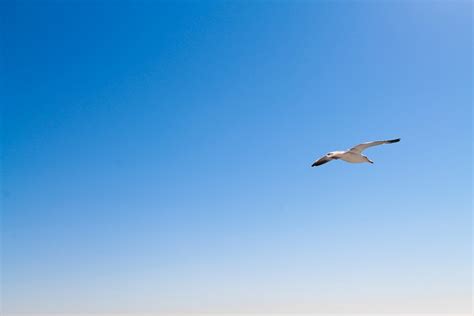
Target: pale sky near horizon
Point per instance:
(156, 156)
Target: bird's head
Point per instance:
(334, 154)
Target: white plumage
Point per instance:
(353, 155)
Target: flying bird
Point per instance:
(353, 155)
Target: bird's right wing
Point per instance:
(359, 148)
(321, 161)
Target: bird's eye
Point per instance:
(329, 154)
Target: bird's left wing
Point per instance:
(359, 148)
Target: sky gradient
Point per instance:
(156, 156)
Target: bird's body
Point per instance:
(349, 156)
(353, 155)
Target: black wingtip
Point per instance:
(394, 141)
(314, 165)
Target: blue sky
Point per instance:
(156, 156)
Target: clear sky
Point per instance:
(156, 156)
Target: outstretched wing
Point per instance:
(359, 148)
(321, 161)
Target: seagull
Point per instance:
(353, 155)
